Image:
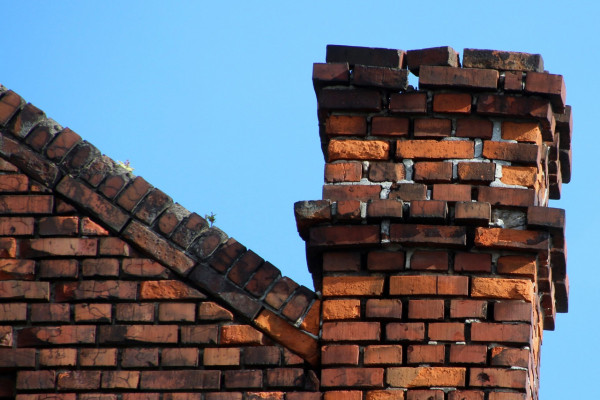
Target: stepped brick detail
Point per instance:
(436, 261)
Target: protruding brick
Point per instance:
(331, 73)
(476, 172)
(365, 55)
(506, 196)
(344, 235)
(517, 265)
(502, 60)
(513, 239)
(478, 79)
(346, 354)
(473, 213)
(548, 85)
(444, 56)
(349, 99)
(498, 288)
(388, 78)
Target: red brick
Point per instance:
(58, 357)
(96, 290)
(433, 149)
(151, 207)
(432, 127)
(113, 246)
(340, 354)
(546, 217)
(244, 267)
(100, 267)
(498, 288)
(547, 85)
(348, 210)
(13, 311)
(226, 255)
(158, 247)
(467, 395)
(428, 284)
(263, 355)
(365, 55)
(174, 380)
(8, 247)
(452, 103)
(6, 336)
(189, 230)
(343, 172)
(351, 192)
(386, 208)
(184, 312)
(474, 128)
(493, 332)
(476, 172)
(16, 269)
(50, 313)
(16, 226)
(385, 260)
(140, 312)
(446, 331)
(517, 265)
(425, 354)
(473, 262)
(431, 171)
(409, 377)
(209, 311)
(498, 377)
(280, 292)
(351, 331)
(512, 311)
(413, 103)
(346, 125)
(344, 235)
(436, 76)
(24, 290)
(250, 379)
(148, 396)
(381, 172)
(468, 354)
(383, 355)
(388, 78)
(473, 213)
(341, 309)
(513, 106)
(349, 99)
(510, 357)
(17, 358)
(506, 196)
(183, 357)
(14, 183)
(168, 290)
(352, 285)
(78, 380)
(331, 72)
(139, 357)
(429, 260)
(138, 333)
(104, 357)
(426, 309)
(428, 235)
(92, 202)
(352, 377)
(298, 304)
(387, 394)
(408, 191)
(341, 261)
(513, 81)
(390, 126)
(9, 104)
(208, 396)
(240, 334)
(21, 204)
(65, 334)
(113, 185)
(303, 396)
(512, 239)
(445, 56)
(35, 380)
(384, 308)
(120, 379)
(412, 331)
(63, 142)
(502, 60)
(342, 395)
(285, 377)
(36, 166)
(143, 267)
(93, 312)
(357, 150)
(451, 192)
(134, 192)
(425, 395)
(171, 218)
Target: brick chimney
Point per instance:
(438, 259)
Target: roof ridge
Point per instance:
(144, 216)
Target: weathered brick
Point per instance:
(120, 379)
(343, 172)
(429, 260)
(342, 395)
(140, 312)
(221, 356)
(168, 290)
(104, 357)
(518, 175)
(408, 191)
(425, 394)
(352, 286)
(365, 55)
(388, 78)
(381, 172)
(251, 379)
(473, 262)
(180, 312)
(185, 379)
(137, 334)
(352, 125)
(390, 126)
(513, 106)
(58, 357)
(341, 309)
(280, 292)
(431, 171)
(459, 103)
(351, 331)
(296, 306)
(387, 394)
(468, 354)
(349, 99)
(181, 357)
(425, 309)
(261, 355)
(517, 265)
(339, 354)
(348, 210)
(50, 313)
(352, 377)
(546, 217)
(139, 357)
(17, 358)
(528, 132)
(158, 247)
(191, 227)
(351, 192)
(6, 336)
(413, 103)
(357, 150)
(445, 56)
(63, 142)
(510, 357)
(134, 193)
(24, 290)
(425, 354)
(446, 331)
(143, 267)
(385, 208)
(506, 196)
(341, 261)
(502, 60)
(433, 149)
(451, 192)
(474, 128)
(331, 73)
(513, 81)
(114, 184)
(428, 235)
(152, 205)
(513, 239)
(498, 288)
(15, 269)
(65, 334)
(344, 235)
(428, 285)
(96, 290)
(548, 85)
(432, 127)
(9, 104)
(20, 204)
(13, 311)
(385, 261)
(412, 331)
(16, 226)
(476, 172)
(285, 378)
(498, 332)
(209, 311)
(410, 377)
(437, 76)
(98, 312)
(30, 162)
(240, 334)
(171, 218)
(384, 308)
(35, 380)
(14, 183)
(498, 377)
(113, 246)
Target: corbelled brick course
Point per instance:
(436, 261)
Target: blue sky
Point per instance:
(212, 102)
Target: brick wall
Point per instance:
(438, 258)
(436, 261)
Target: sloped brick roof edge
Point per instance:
(202, 256)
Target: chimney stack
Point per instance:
(438, 259)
